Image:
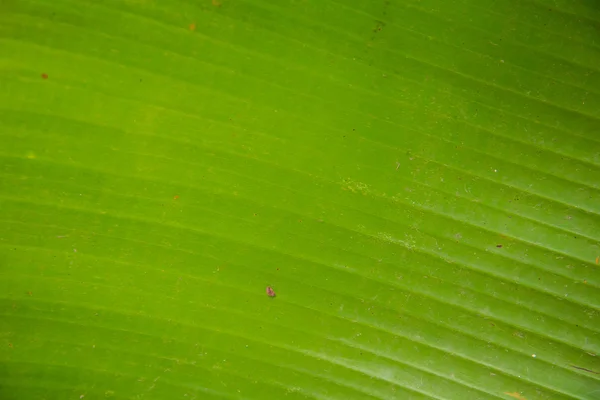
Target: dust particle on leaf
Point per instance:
(499, 246)
(270, 291)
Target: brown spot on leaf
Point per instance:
(193, 26)
(44, 76)
(216, 3)
(585, 369)
(516, 395)
(499, 246)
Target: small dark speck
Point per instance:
(44, 76)
(499, 246)
(270, 291)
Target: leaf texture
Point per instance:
(299, 199)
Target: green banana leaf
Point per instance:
(300, 199)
